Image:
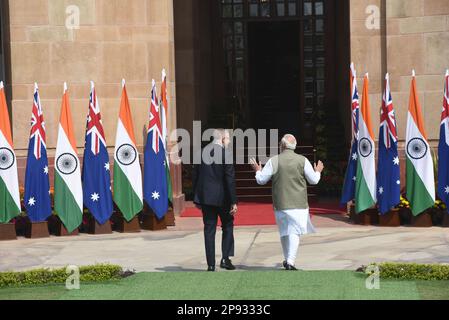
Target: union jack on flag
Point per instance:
(37, 125)
(388, 171)
(97, 195)
(348, 192)
(355, 104)
(387, 117)
(155, 125)
(94, 123)
(37, 185)
(443, 148)
(155, 187)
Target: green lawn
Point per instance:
(333, 285)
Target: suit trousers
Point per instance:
(210, 219)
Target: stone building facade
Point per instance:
(135, 39)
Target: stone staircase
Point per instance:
(247, 188)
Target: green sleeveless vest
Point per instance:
(289, 181)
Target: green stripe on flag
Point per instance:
(125, 198)
(8, 207)
(363, 198)
(417, 193)
(169, 183)
(65, 205)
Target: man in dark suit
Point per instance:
(214, 192)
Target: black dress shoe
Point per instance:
(290, 267)
(227, 264)
(211, 268)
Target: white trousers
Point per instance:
(290, 245)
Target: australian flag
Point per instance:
(348, 193)
(37, 185)
(155, 180)
(443, 148)
(388, 173)
(96, 176)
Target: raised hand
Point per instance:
(319, 167)
(256, 166)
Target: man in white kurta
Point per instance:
(289, 172)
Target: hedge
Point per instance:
(96, 273)
(411, 271)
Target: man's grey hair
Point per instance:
(218, 134)
(289, 142)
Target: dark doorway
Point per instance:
(274, 75)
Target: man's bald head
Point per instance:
(288, 142)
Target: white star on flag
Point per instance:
(396, 161)
(355, 178)
(107, 166)
(46, 170)
(32, 202)
(398, 182)
(155, 195)
(354, 156)
(95, 197)
(381, 190)
(446, 190)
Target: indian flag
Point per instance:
(68, 189)
(164, 109)
(9, 181)
(420, 175)
(365, 192)
(128, 193)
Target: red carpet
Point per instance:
(251, 214)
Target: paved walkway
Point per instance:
(337, 245)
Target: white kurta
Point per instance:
(292, 221)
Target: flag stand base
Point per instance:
(445, 220)
(8, 232)
(170, 218)
(36, 230)
(390, 219)
(149, 221)
(57, 228)
(123, 226)
(95, 228)
(424, 220)
(368, 217)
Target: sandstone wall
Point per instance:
(131, 39)
(412, 34)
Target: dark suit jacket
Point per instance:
(214, 183)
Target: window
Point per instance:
(236, 14)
